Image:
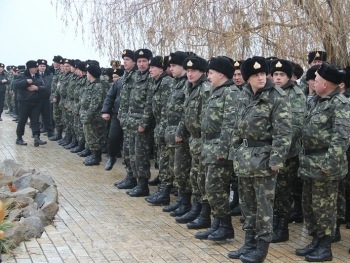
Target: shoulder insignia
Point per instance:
(343, 99)
(280, 91)
(297, 90)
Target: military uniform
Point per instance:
(3, 88)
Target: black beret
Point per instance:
(283, 65)
(108, 72)
(271, 58)
(237, 64)
(143, 53)
(82, 66)
(57, 59)
(21, 67)
(195, 63)
(90, 61)
(253, 66)
(316, 55)
(2, 65)
(330, 73)
(119, 71)
(129, 54)
(166, 61)
(297, 70)
(223, 65)
(94, 70)
(158, 61)
(310, 73)
(42, 62)
(76, 62)
(65, 61)
(191, 53)
(71, 62)
(15, 68)
(177, 58)
(31, 64)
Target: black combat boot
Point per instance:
(248, 247)
(20, 141)
(93, 159)
(297, 211)
(58, 135)
(275, 221)
(72, 144)
(323, 251)
(80, 147)
(225, 230)
(141, 189)
(161, 197)
(336, 237)
(214, 226)
(66, 140)
(37, 141)
(128, 183)
(84, 153)
(203, 220)
(281, 234)
(309, 248)
(173, 206)
(192, 214)
(258, 255)
(184, 207)
(234, 205)
(110, 163)
(154, 181)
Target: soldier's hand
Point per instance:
(106, 116)
(178, 139)
(54, 100)
(274, 168)
(30, 81)
(141, 129)
(32, 88)
(4, 80)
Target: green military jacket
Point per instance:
(218, 122)
(72, 85)
(325, 138)
(92, 101)
(263, 131)
(61, 91)
(194, 106)
(57, 75)
(81, 83)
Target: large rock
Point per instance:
(41, 181)
(23, 181)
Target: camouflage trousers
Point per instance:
(283, 194)
(217, 188)
(139, 150)
(78, 128)
(126, 150)
(69, 122)
(8, 99)
(256, 198)
(320, 205)
(57, 115)
(163, 153)
(197, 174)
(95, 134)
(180, 164)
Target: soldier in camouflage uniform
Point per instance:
(158, 95)
(56, 112)
(94, 127)
(217, 127)
(323, 162)
(261, 140)
(3, 87)
(139, 125)
(129, 79)
(281, 72)
(9, 92)
(197, 93)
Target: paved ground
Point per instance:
(99, 223)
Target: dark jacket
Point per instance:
(47, 77)
(21, 85)
(111, 103)
(3, 75)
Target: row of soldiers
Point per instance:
(204, 117)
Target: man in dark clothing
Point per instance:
(3, 85)
(30, 86)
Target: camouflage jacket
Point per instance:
(218, 122)
(55, 79)
(92, 101)
(61, 91)
(194, 106)
(70, 92)
(160, 93)
(81, 83)
(263, 131)
(173, 111)
(127, 85)
(299, 108)
(325, 138)
(140, 103)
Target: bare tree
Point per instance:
(238, 29)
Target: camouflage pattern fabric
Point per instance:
(57, 112)
(78, 92)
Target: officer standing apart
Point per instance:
(261, 142)
(323, 162)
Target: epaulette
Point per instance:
(280, 91)
(297, 90)
(206, 86)
(343, 99)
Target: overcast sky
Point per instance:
(30, 29)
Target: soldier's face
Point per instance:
(1, 69)
(142, 64)
(128, 63)
(280, 78)
(316, 62)
(311, 83)
(72, 69)
(33, 70)
(66, 67)
(78, 72)
(320, 86)
(193, 75)
(257, 81)
(176, 70)
(237, 77)
(215, 78)
(115, 77)
(56, 65)
(42, 67)
(155, 72)
(62, 67)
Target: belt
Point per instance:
(211, 136)
(313, 151)
(252, 143)
(136, 111)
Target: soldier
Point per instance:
(29, 87)
(282, 73)
(3, 86)
(94, 126)
(123, 115)
(217, 127)
(197, 94)
(323, 162)
(159, 94)
(310, 80)
(139, 125)
(261, 140)
(237, 74)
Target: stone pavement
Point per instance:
(100, 223)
